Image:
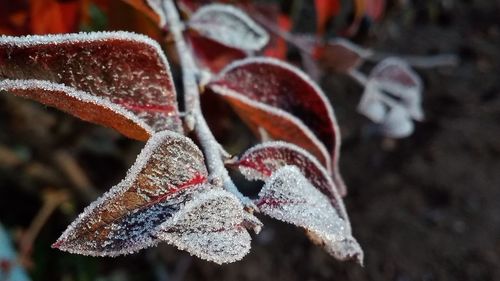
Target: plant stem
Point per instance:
(211, 148)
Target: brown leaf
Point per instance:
(127, 69)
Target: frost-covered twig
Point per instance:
(418, 61)
(211, 148)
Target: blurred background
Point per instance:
(423, 208)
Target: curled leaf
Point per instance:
(127, 69)
(229, 26)
(288, 196)
(261, 161)
(281, 99)
(80, 104)
(166, 174)
(393, 97)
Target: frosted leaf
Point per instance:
(81, 104)
(288, 196)
(211, 227)
(282, 100)
(341, 55)
(165, 175)
(210, 54)
(229, 26)
(125, 68)
(261, 161)
(393, 97)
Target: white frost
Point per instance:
(393, 97)
(229, 26)
(288, 196)
(15, 84)
(210, 226)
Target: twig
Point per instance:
(218, 173)
(419, 61)
(51, 200)
(78, 178)
(359, 76)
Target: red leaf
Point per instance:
(288, 196)
(281, 99)
(229, 26)
(52, 16)
(212, 55)
(80, 104)
(261, 161)
(125, 219)
(125, 68)
(325, 10)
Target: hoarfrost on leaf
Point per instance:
(80, 104)
(288, 196)
(281, 99)
(124, 68)
(261, 161)
(393, 97)
(211, 226)
(166, 174)
(229, 26)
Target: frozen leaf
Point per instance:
(261, 161)
(169, 170)
(210, 54)
(229, 26)
(80, 104)
(288, 196)
(211, 226)
(10, 269)
(282, 100)
(393, 97)
(340, 55)
(125, 68)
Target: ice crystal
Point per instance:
(393, 97)
(229, 26)
(210, 226)
(125, 68)
(288, 196)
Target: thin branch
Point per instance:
(211, 148)
(359, 76)
(419, 61)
